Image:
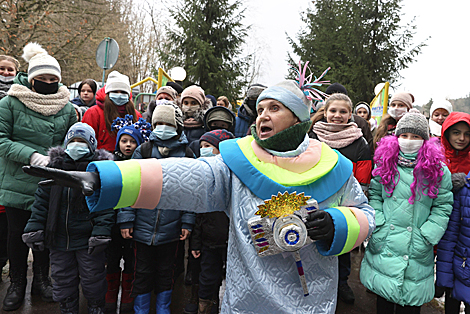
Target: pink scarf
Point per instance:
(337, 135)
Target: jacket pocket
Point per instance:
(460, 266)
(378, 239)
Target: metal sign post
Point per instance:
(107, 54)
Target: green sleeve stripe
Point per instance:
(131, 179)
(353, 229)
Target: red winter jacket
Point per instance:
(457, 161)
(95, 118)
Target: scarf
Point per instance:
(192, 123)
(435, 128)
(47, 105)
(337, 135)
(286, 140)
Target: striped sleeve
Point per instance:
(351, 229)
(133, 183)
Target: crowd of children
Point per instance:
(190, 169)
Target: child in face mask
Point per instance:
(400, 104)
(194, 105)
(209, 142)
(60, 220)
(439, 113)
(9, 67)
(412, 198)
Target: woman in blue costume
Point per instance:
(279, 157)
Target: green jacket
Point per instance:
(23, 132)
(399, 262)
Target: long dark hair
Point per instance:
(90, 83)
(382, 129)
(111, 112)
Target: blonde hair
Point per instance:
(341, 97)
(224, 99)
(12, 60)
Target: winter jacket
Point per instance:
(243, 121)
(457, 161)
(158, 226)
(453, 251)
(22, 133)
(95, 118)
(359, 153)
(236, 181)
(398, 263)
(63, 213)
(211, 230)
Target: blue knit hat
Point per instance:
(139, 131)
(83, 131)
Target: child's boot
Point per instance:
(192, 306)
(204, 306)
(42, 284)
(114, 281)
(96, 306)
(142, 303)
(69, 305)
(127, 302)
(163, 302)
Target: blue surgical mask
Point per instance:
(207, 152)
(119, 99)
(165, 132)
(77, 150)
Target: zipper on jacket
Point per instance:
(155, 228)
(464, 260)
(67, 218)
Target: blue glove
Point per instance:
(34, 240)
(98, 244)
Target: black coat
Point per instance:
(211, 230)
(62, 212)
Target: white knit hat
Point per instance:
(442, 104)
(40, 62)
(117, 82)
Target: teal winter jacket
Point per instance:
(398, 263)
(23, 132)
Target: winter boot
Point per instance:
(191, 307)
(163, 302)
(96, 306)
(16, 291)
(142, 303)
(42, 284)
(204, 306)
(69, 305)
(127, 302)
(114, 281)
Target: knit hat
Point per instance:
(167, 90)
(336, 88)
(117, 82)
(290, 95)
(405, 98)
(83, 131)
(40, 62)
(195, 92)
(216, 136)
(443, 104)
(362, 105)
(177, 87)
(413, 122)
(140, 130)
(168, 113)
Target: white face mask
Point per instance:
(409, 146)
(6, 79)
(397, 113)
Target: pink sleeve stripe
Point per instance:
(363, 223)
(151, 184)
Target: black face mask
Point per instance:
(45, 88)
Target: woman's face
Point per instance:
(362, 112)
(459, 135)
(86, 93)
(46, 78)
(273, 117)
(7, 68)
(338, 112)
(439, 116)
(221, 103)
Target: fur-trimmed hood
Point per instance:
(57, 155)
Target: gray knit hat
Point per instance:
(168, 112)
(290, 95)
(117, 82)
(83, 131)
(413, 122)
(40, 62)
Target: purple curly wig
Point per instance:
(428, 171)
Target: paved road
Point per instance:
(365, 302)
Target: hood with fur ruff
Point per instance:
(57, 155)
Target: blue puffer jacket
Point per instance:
(157, 226)
(453, 251)
(243, 121)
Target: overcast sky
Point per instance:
(442, 70)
